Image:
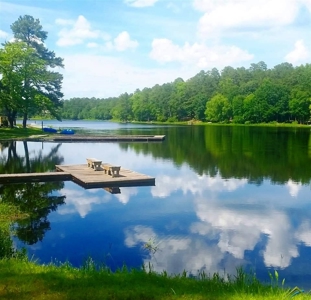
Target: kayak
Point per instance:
(67, 131)
(49, 129)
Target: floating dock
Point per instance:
(102, 138)
(34, 177)
(84, 176)
(88, 178)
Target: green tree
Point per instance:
(218, 109)
(272, 101)
(25, 82)
(11, 64)
(47, 93)
(238, 109)
(299, 105)
(122, 111)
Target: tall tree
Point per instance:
(48, 94)
(218, 109)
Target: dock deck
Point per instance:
(34, 177)
(88, 178)
(84, 176)
(102, 138)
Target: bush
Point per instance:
(172, 119)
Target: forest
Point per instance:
(238, 95)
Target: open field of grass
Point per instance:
(17, 133)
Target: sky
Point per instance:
(111, 47)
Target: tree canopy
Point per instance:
(241, 95)
(28, 85)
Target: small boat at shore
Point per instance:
(49, 129)
(67, 131)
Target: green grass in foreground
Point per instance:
(21, 279)
(16, 133)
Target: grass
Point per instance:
(22, 279)
(8, 214)
(18, 133)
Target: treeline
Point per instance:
(253, 95)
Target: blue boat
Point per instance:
(67, 131)
(49, 129)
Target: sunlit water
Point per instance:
(224, 197)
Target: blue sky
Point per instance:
(115, 46)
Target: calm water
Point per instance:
(224, 197)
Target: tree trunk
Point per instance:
(12, 154)
(11, 121)
(27, 157)
(25, 120)
(11, 118)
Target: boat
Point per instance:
(49, 129)
(67, 131)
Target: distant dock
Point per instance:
(34, 177)
(102, 138)
(84, 176)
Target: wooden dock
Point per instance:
(34, 177)
(84, 176)
(102, 138)
(88, 178)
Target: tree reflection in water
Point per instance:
(35, 200)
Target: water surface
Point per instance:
(224, 197)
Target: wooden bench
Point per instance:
(94, 163)
(114, 171)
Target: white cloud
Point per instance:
(140, 3)
(123, 42)
(293, 188)
(177, 253)
(3, 34)
(138, 234)
(77, 202)
(109, 76)
(194, 184)
(240, 230)
(304, 233)
(79, 31)
(245, 14)
(299, 54)
(126, 193)
(92, 45)
(164, 50)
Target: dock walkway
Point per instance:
(84, 176)
(101, 138)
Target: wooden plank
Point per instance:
(87, 178)
(35, 177)
(84, 176)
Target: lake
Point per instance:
(224, 197)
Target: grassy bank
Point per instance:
(21, 279)
(18, 133)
